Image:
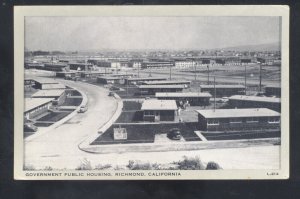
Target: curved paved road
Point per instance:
(60, 145)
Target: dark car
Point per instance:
(111, 94)
(174, 134)
(29, 127)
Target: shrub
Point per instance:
(137, 165)
(48, 168)
(29, 167)
(101, 167)
(193, 163)
(85, 165)
(213, 166)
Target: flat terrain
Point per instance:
(223, 74)
(58, 148)
(59, 145)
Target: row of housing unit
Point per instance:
(140, 63)
(49, 93)
(215, 120)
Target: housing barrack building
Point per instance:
(240, 120)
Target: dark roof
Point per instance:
(145, 78)
(222, 86)
(167, 82)
(161, 86)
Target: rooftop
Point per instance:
(161, 86)
(53, 86)
(32, 103)
(255, 98)
(234, 113)
(153, 104)
(167, 82)
(222, 86)
(109, 78)
(45, 80)
(48, 93)
(189, 94)
(145, 78)
(128, 74)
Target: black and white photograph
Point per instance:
(159, 92)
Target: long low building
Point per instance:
(152, 89)
(159, 110)
(110, 80)
(36, 106)
(58, 95)
(242, 101)
(43, 83)
(223, 90)
(227, 120)
(168, 82)
(66, 74)
(157, 64)
(139, 80)
(193, 98)
(87, 74)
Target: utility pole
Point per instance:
(150, 74)
(138, 64)
(245, 79)
(170, 72)
(195, 70)
(259, 76)
(207, 74)
(215, 93)
(126, 85)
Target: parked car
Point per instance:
(83, 109)
(174, 134)
(111, 94)
(29, 127)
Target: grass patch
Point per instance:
(145, 133)
(130, 116)
(72, 102)
(241, 135)
(53, 117)
(43, 124)
(135, 134)
(131, 105)
(73, 92)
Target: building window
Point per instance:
(236, 120)
(149, 113)
(252, 120)
(212, 122)
(273, 120)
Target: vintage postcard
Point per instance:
(151, 92)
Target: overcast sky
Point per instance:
(121, 33)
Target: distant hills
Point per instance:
(259, 47)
